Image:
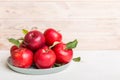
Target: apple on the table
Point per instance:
(44, 50)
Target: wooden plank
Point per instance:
(65, 10)
(58, 0)
(92, 34)
(95, 23)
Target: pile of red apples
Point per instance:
(43, 50)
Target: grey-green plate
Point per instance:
(35, 71)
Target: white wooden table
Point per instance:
(94, 65)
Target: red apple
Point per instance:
(51, 35)
(63, 55)
(22, 58)
(44, 58)
(34, 40)
(14, 47)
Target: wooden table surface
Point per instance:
(95, 23)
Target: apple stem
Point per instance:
(46, 50)
(56, 42)
(20, 38)
(72, 44)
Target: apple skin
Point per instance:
(44, 58)
(14, 47)
(34, 40)
(63, 55)
(51, 36)
(22, 58)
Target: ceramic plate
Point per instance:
(35, 71)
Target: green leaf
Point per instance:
(57, 65)
(14, 41)
(24, 31)
(72, 44)
(77, 59)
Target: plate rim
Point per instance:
(36, 71)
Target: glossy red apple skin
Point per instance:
(22, 58)
(63, 55)
(44, 58)
(14, 47)
(34, 40)
(51, 36)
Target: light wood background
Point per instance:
(95, 23)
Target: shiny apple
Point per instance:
(44, 58)
(51, 36)
(22, 58)
(34, 40)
